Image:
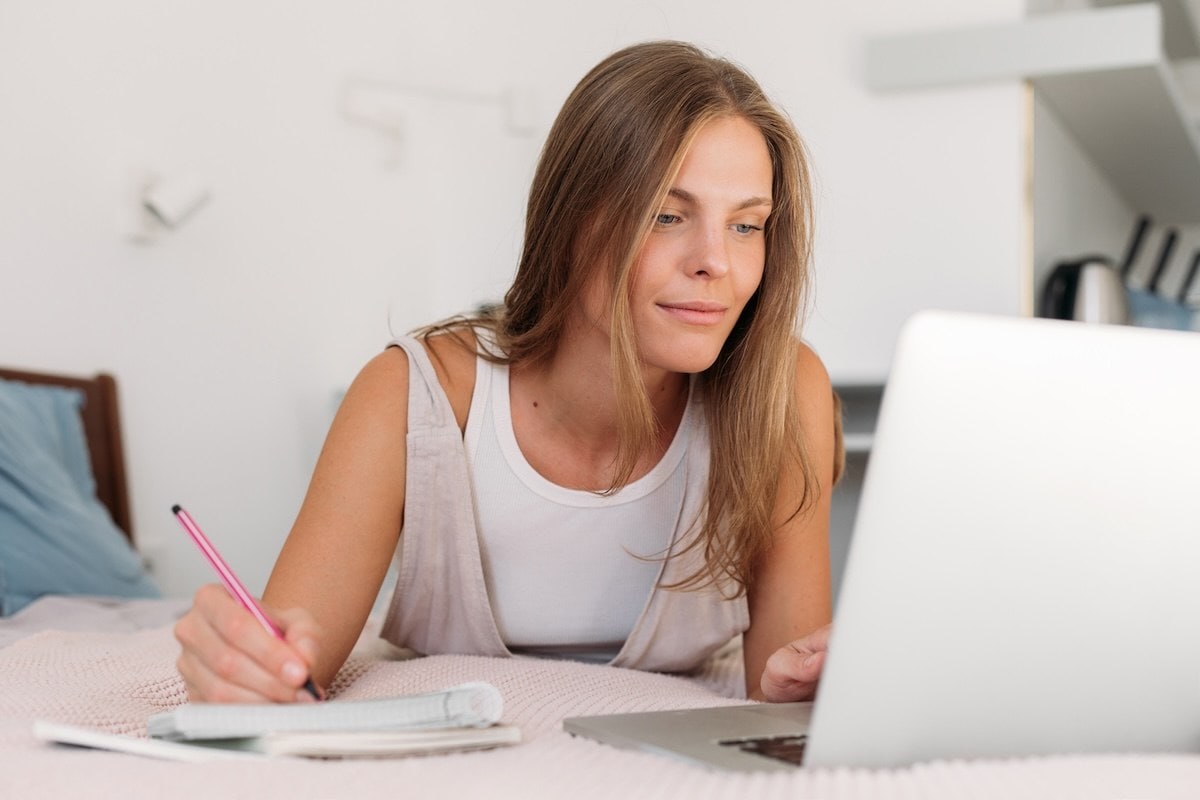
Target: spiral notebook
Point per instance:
(469, 705)
(463, 717)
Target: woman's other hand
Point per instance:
(793, 671)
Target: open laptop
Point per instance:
(1024, 575)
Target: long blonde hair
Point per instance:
(606, 167)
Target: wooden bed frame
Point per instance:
(102, 428)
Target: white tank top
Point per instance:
(561, 565)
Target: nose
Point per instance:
(711, 255)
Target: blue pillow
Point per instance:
(55, 536)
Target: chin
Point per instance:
(687, 350)
(690, 360)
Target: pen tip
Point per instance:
(175, 509)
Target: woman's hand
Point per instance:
(792, 671)
(228, 657)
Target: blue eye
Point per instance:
(666, 219)
(746, 228)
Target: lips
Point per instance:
(696, 312)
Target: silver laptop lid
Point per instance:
(1024, 575)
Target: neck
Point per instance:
(572, 399)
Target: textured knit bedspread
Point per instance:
(114, 681)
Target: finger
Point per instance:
(206, 686)
(790, 666)
(217, 671)
(786, 691)
(792, 675)
(809, 669)
(228, 646)
(819, 639)
(240, 629)
(301, 632)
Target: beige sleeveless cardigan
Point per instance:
(441, 603)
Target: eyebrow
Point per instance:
(750, 202)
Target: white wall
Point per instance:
(1077, 211)
(231, 337)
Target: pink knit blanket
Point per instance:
(114, 681)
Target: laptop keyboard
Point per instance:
(789, 749)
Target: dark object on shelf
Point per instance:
(1088, 289)
(1092, 288)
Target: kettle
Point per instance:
(1088, 289)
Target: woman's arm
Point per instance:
(790, 596)
(342, 543)
(330, 568)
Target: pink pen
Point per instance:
(231, 581)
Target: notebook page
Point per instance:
(366, 744)
(465, 705)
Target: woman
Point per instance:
(630, 461)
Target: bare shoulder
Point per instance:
(379, 394)
(453, 356)
(813, 386)
(820, 411)
(382, 384)
(388, 370)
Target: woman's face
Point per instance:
(703, 259)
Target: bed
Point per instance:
(101, 420)
(107, 662)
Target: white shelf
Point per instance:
(860, 409)
(1103, 72)
(855, 443)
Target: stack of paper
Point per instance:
(463, 717)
